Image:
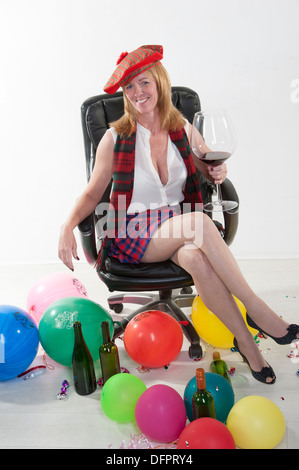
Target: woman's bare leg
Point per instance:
(219, 300)
(198, 229)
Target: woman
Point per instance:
(150, 142)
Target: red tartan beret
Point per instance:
(131, 64)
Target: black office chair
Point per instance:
(158, 280)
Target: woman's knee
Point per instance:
(205, 230)
(197, 227)
(190, 258)
(192, 224)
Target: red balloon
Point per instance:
(153, 338)
(206, 433)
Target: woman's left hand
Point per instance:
(217, 173)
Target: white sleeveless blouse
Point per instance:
(148, 191)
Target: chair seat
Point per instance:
(154, 270)
(144, 276)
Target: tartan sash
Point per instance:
(123, 179)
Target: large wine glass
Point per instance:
(213, 141)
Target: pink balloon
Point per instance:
(160, 413)
(50, 288)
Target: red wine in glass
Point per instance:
(215, 158)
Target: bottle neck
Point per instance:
(106, 332)
(78, 330)
(200, 379)
(216, 356)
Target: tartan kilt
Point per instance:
(130, 243)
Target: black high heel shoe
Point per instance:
(261, 375)
(291, 335)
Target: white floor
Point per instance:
(32, 417)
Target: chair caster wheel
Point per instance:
(195, 351)
(117, 308)
(186, 290)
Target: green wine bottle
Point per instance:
(218, 366)
(108, 354)
(203, 405)
(82, 363)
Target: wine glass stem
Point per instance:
(219, 195)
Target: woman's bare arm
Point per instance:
(87, 202)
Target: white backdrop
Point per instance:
(240, 54)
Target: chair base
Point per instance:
(164, 301)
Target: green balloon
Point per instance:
(56, 332)
(119, 397)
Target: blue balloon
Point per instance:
(220, 388)
(19, 341)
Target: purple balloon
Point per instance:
(160, 413)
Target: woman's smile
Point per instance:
(142, 100)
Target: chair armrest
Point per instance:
(229, 193)
(231, 219)
(88, 239)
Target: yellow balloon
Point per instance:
(256, 423)
(210, 328)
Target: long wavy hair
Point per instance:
(170, 117)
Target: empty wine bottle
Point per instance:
(203, 405)
(82, 364)
(218, 366)
(108, 354)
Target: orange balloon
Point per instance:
(153, 338)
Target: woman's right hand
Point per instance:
(67, 247)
